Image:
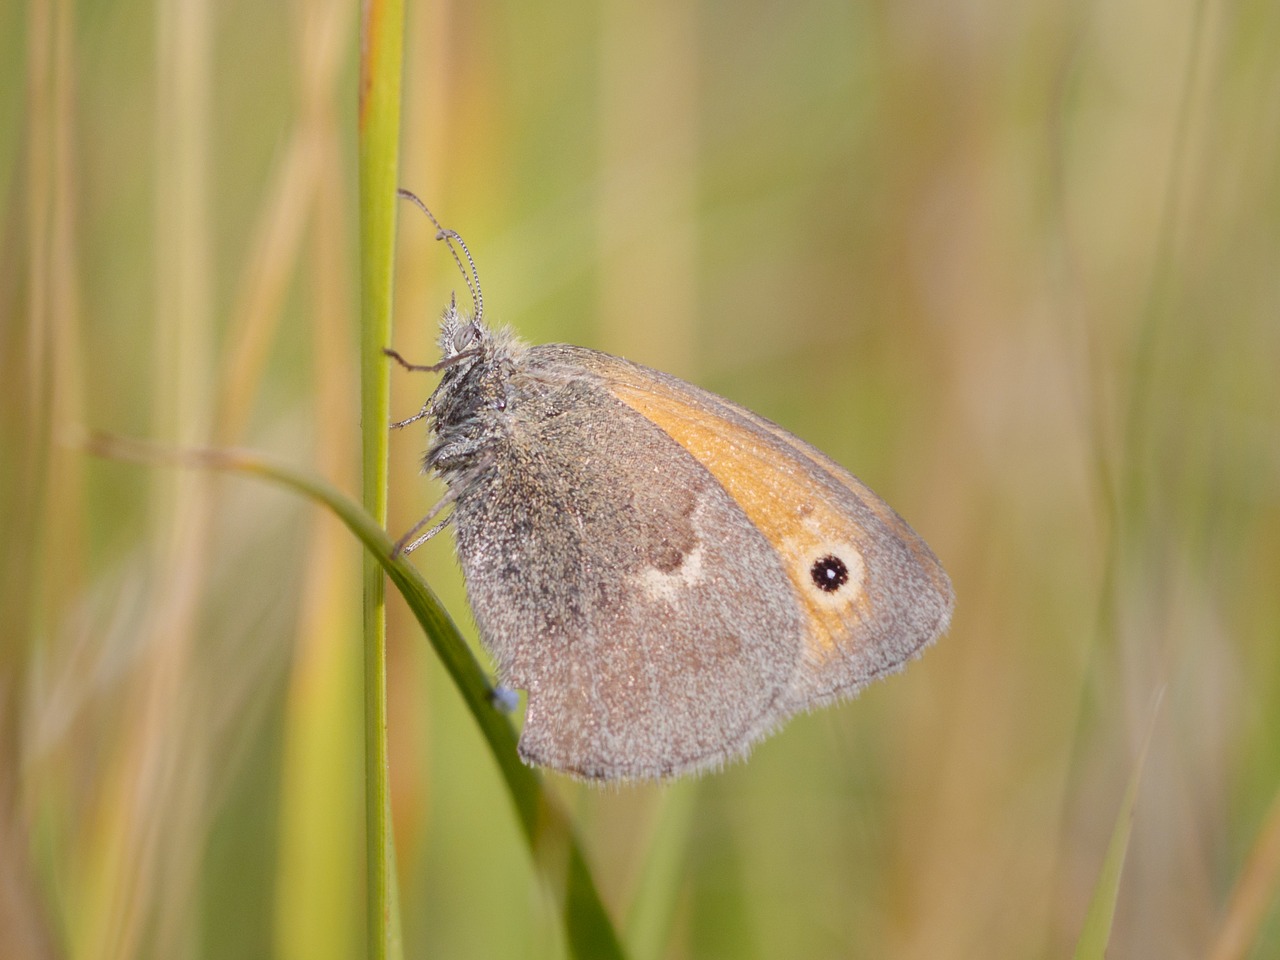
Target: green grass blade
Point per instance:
(1096, 932)
(556, 852)
(1256, 893)
(653, 908)
(381, 55)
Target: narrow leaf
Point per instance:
(1096, 932)
(556, 851)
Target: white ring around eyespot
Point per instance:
(806, 552)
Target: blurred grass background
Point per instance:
(1016, 266)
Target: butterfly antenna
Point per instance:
(449, 237)
(473, 282)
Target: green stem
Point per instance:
(381, 54)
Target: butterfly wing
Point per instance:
(614, 579)
(872, 592)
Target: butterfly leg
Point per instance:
(407, 544)
(418, 367)
(421, 414)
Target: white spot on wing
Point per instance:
(658, 585)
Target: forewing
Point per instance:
(897, 598)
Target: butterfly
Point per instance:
(668, 575)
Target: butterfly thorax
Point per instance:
(468, 409)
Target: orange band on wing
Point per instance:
(928, 562)
(777, 495)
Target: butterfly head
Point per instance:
(461, 334)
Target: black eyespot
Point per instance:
(829, 573)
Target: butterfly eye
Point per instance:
(829, 573)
